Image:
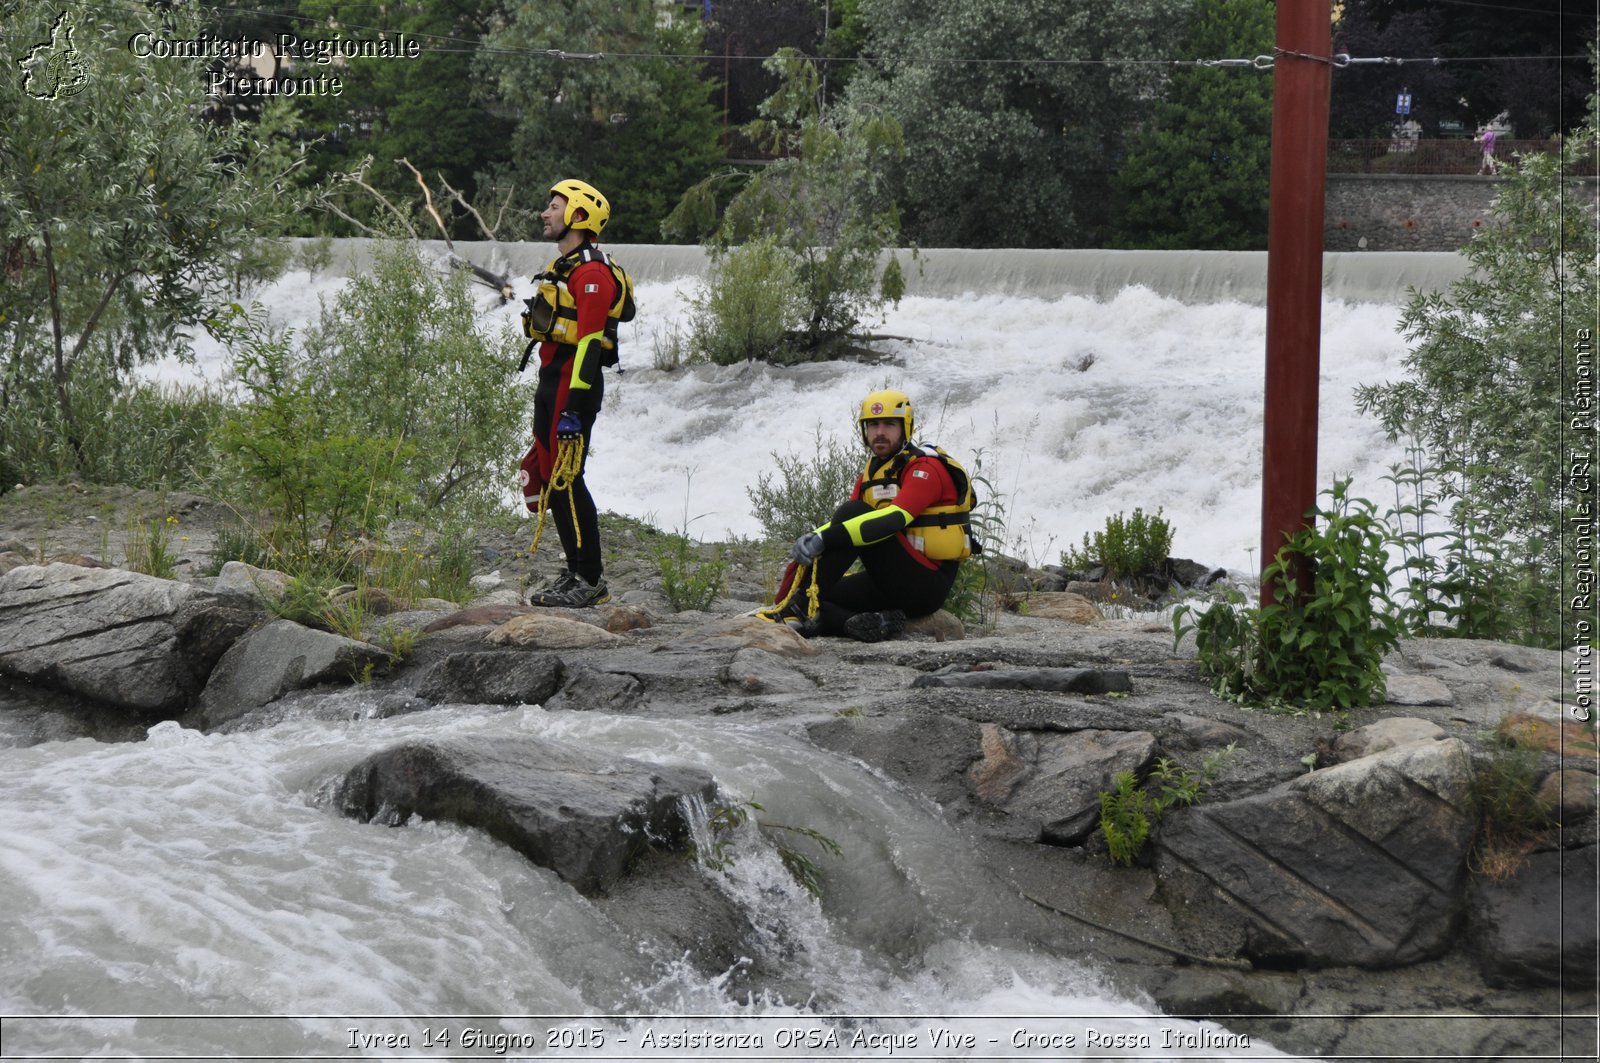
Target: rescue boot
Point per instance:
(876, 627)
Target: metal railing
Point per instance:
(1431, 156)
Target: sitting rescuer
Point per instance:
(906, 520)
(572, 319)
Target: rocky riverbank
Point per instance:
(1326, 877)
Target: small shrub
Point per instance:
(688, 581)
(149, 547)
(1503, 796)
(1319, 647)
(1128, 547)
(1125, 818)
(804, 492)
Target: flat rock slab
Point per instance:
(120, 638)
(546, 632)
(1048, 785)
(743, 632)
(583, 816)
(1059, 680)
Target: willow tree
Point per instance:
(125, 218)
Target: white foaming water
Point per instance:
(1078, 409)
(202, 876)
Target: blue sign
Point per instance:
(1402, 103)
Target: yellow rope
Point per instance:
(813, 595)
(569, 460)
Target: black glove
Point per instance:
(569, 427)
(807, 548)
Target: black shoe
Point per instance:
(570, 591)
(807, 627)
(875, 627)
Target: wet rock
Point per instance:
(543, 631)
(581, 815)
(1060, 680)
(752, 671)
(1048, 785)
(592, 690)
(118, 637)
(492, 677)
(929, 751)
(1537, 926)
(1359, 864)
(273, 660)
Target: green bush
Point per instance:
(1128, 547)
(750, 308)
(1487, 391)
(1316, 647)
(400, 355)
(804, 492)
(320, 481)
(688, 581)
(823, 211)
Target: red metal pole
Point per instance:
(1301, 78)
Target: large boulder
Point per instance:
(1355, 865)
(581, 815)
(273, 660)
(1537, 925)
(121, 638)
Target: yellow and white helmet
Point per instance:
(887, 405)
(583, 196)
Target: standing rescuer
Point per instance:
(906, 520)
(572, 320)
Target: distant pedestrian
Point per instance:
(1486, 141)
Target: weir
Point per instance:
(1195, 277)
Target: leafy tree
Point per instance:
(124, 216)
(822, 213)
(641, 129)
(1196, 175)
(431, 110)
(1362, 101)
(1485, 392)
(1542, 95)
(1011, 119)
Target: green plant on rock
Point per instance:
(1129, 813)
(1129, 546)
(1125, 818)
(688, 580)
(1510, 820)
(1317, 647)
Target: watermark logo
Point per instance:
(54, 69)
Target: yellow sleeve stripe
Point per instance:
(577, 381)
(877, 525)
